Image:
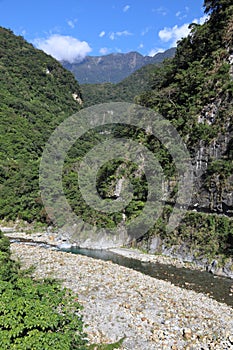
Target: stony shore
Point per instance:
(118, 302)
(58, 240)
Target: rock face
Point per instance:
(213, 191)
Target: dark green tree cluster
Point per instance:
(197, 76)
(36, 314)
(35, 97)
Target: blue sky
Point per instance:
(72, 29)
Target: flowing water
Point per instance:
(200, 281)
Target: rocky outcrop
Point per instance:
(181, 252)
(213, 190)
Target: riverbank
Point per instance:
(118, 302)
(56, 239)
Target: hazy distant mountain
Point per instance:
(112, 68)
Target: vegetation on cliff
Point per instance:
(198, 77)
(194, 90)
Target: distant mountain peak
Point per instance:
(114, 67)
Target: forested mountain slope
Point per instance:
(194, 90)
(36, 94)
(126, 90)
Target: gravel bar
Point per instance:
(121, 302)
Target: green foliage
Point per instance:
(197, 76)
(36, 314)
(125, 91)
(39, 315)
(36, 95)
(194, 90)
(8, 269)
(203, 234)
(116, 345)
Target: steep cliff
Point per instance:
(195, 91)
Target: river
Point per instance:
(199, 281)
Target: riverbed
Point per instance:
(178, 273)
(121, 302)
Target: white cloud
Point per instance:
(145, 31)
(141, 46)
(161, 11)
(113, 35)
(117, 49)
(126, 8)
(102, 34)
(182, 14)
(64, 48)
(201, 20)
(103, 50)
(71, 23)
(153, 52)
(176, 33)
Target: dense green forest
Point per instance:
(193, 90)
(36, 96)
(137, 83)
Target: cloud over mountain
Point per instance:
(176, 33)
(64, 48)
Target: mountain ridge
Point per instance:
(112, 68)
